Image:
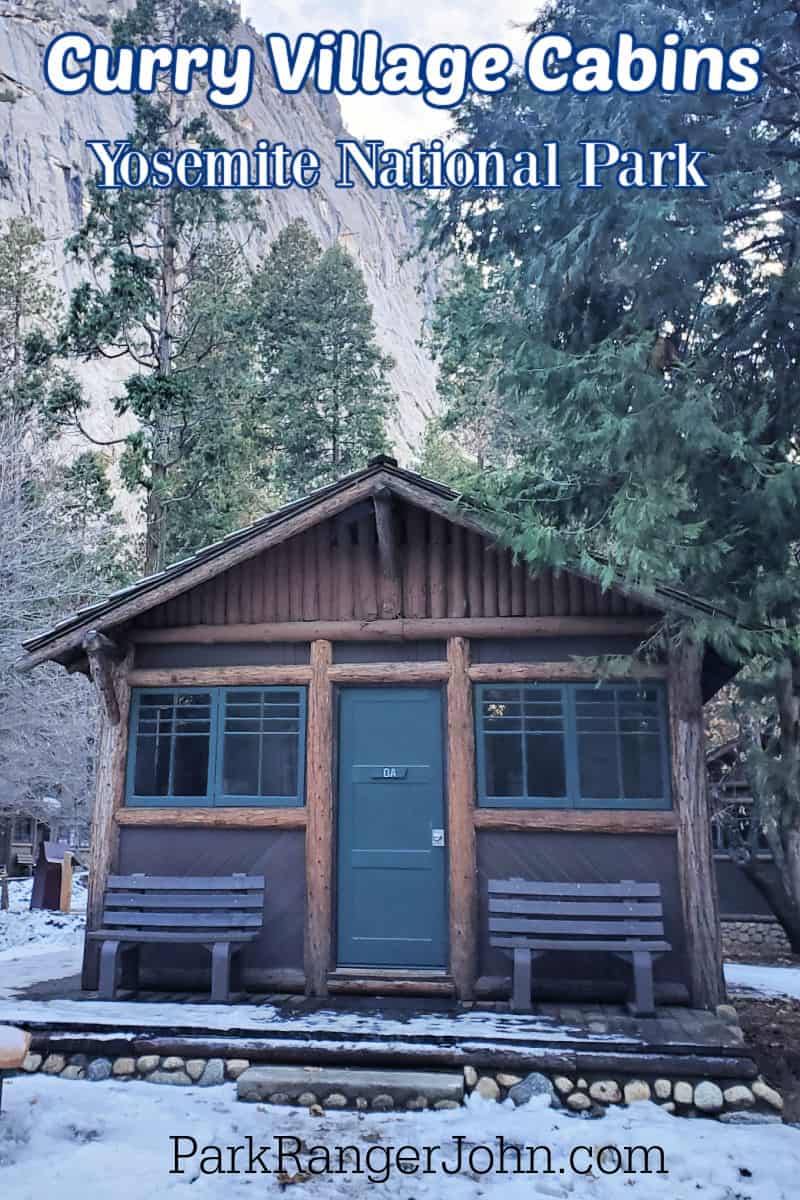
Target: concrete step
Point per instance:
(286, 1084)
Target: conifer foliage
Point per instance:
(147, 253)
(325, 394)
(646, 348)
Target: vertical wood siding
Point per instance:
(332, 572)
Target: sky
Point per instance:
(399, 120)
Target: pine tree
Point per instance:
(326, 396)
(648, 362)
(27, 300)
(462, 342)
(145, 250)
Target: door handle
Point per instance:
(437, 837)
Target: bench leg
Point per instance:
(221, 972)
(109, 957)
(521, 992)
(644, 999)
(129, 974)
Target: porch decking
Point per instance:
(381, 1032)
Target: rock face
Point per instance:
(44, 167)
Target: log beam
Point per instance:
(524, 672)
(397, 672)
(101, 654)
(319, 821)
(213, 818)
(408, 629)
(460, 816)
(218, 676)
(695, 851)
(571, 820)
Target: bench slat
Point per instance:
(567, 908)
(176, 920)
(133, 936)
(622, 928)
(179, 883)
(525, 887)
(510, 941)
(167, 900)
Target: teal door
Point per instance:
(391, 851)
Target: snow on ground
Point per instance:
(23, 966)
(90, 1137)
(756, 979)
(22, 927)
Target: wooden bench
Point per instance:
(221, 913)
(14, 1045)
(527, 919)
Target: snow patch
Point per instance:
(101, 1135)
(757, 979)
(22, 927)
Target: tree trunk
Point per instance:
(775, 809)
(695, 852)
(777, 897)
(154, 515)
(155, 541)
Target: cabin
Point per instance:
(367, 699)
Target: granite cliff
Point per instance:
(44, 165)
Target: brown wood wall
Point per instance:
(332, 573)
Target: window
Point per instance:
(573, 745)
(217, 746)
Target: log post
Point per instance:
(319, 821)
(695, 851)
(461, 823)
(112, 758)
(65, 892)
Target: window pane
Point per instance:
(503, 765)
(599, 771)
(619, 730)
(279, 766)
(152, 766)
(261, 743)
(240, 765)
(641, 766)
(172, 744)
(546, 771)
(190, 767)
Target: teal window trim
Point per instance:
(572, 798)
(230, 800)
(214, 796)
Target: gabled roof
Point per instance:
(64, 641)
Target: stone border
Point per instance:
(201, 1072)
(733, 1101)
(729, 1100)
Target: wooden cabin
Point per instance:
(366, 699)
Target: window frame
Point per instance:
(573, 798)
(214, 796)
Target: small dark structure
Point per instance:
(220, 914)
(52, 877)
(367, 699)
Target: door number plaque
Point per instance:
(437, 837)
